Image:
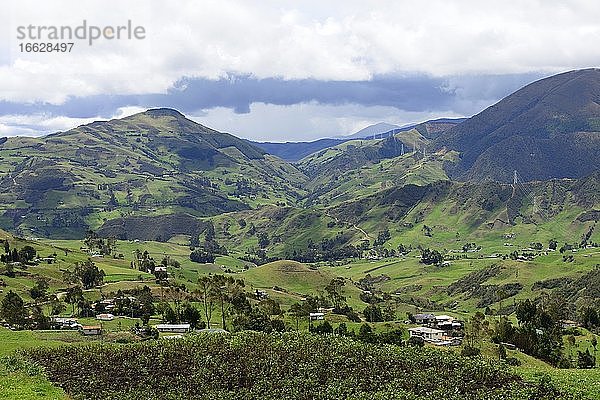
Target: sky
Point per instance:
(285, 70)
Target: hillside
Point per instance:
(358, 153)
(455, 212)
(548, 129)
(150, 164)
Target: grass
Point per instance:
(20, 386)
(13, 340)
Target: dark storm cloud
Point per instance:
(461, 94)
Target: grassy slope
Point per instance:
(355, 168)
(20, 385)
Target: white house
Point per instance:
(316, 316)
(105, 317)
(173, 328)
(91, 330)
(65, 323)
(428, 334)
(443, 318)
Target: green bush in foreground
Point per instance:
(251, 365)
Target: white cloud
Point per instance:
(332, 40)
(42, 124)
(306, 121)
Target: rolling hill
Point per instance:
(548, 129)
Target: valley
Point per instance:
(156, 219)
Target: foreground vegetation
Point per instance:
(252, 365)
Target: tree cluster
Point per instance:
(85, 273)
(25, 255)
(431, 257)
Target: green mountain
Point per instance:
(156, 175)
(548, 129)
(147, 165)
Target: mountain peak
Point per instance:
(375, 129)
(163, 112)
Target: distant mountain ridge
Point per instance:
(156, 174)
(295, 151)
(375, 129)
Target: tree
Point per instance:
(12, 309)
(365, 332)
(403, 250)
(256, 320)
(191, 315)
(474, 330)
(342, 329)
(553, 244)
(426, 230)
(168, 314)
(585, 359)
(429, 257)
(526, 312)
(27, 253)
(207, 298)
(323, 328)
(263, 240)
(57, 306)
(225, 288)
(209, 233)
(416, 341)
(74, 296)
(6, 246)
(334, 292)
(504, 331)
(589, 318)
(202, 256)
(382, 237)
(501, 352)
(146, 305)
(38, 319)
(470, 351)
(40, 288)
(298, 311)
(270, 307)
(86, 273)
(373, 313)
